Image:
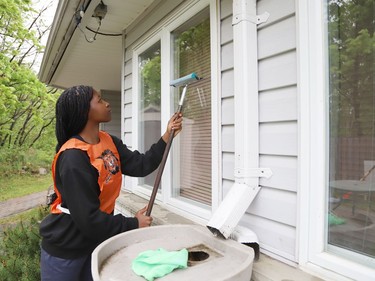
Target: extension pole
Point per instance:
(164, 159)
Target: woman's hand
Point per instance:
(175, 123)
(143, 221)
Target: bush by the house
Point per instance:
(20, 250)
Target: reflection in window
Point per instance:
(192, 176)
(149, 103)
(351, 216)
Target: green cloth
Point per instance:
(334, 220)
(153, 264)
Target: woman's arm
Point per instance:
(136, 164)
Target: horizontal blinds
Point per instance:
(195, 139)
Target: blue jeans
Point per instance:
(57, 269)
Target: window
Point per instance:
(149, 127)
(177, 46)
(191, 49)
(351, 199)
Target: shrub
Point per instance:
(20, 250)
(20, 161)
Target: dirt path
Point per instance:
(18, 205)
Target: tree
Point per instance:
(351, 50)
(26, 104)
(151, 75)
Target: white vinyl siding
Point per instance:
(114, 126)
(272, 215)
(288, 213)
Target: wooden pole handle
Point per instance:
(159, 174)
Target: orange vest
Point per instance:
(105, 158)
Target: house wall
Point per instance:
(138, 29)
(114, 126)
(272, 215)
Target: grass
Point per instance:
(24, 216)
(20, 185)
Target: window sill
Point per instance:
(265, 269)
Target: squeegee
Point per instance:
(183, 81)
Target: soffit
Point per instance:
(71, 60)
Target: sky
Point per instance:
(47, 18)
(50, 12)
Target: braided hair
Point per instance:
(72, 110)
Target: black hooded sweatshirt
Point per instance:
(61, 236)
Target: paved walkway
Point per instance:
(21, 204)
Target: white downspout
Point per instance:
(246, 125)
(247, 171)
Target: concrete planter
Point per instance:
(210, 257)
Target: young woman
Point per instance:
(87, 172)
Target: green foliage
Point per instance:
(15, 161)
(351, 52)
(192, 40)
(193, 55)
(20, 250)
(27, 107)
(26, 104)
(16, 185)
(13, 14)
(191, 44)
(24, 216)
(151, 73)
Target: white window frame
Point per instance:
(135, 116)
(162, 32)
(314, 153)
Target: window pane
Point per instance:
(149, 103)
(351, 215)
(192, 54)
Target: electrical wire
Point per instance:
(99, 25)
(104, 34)
(78, 15)
(89, 40)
